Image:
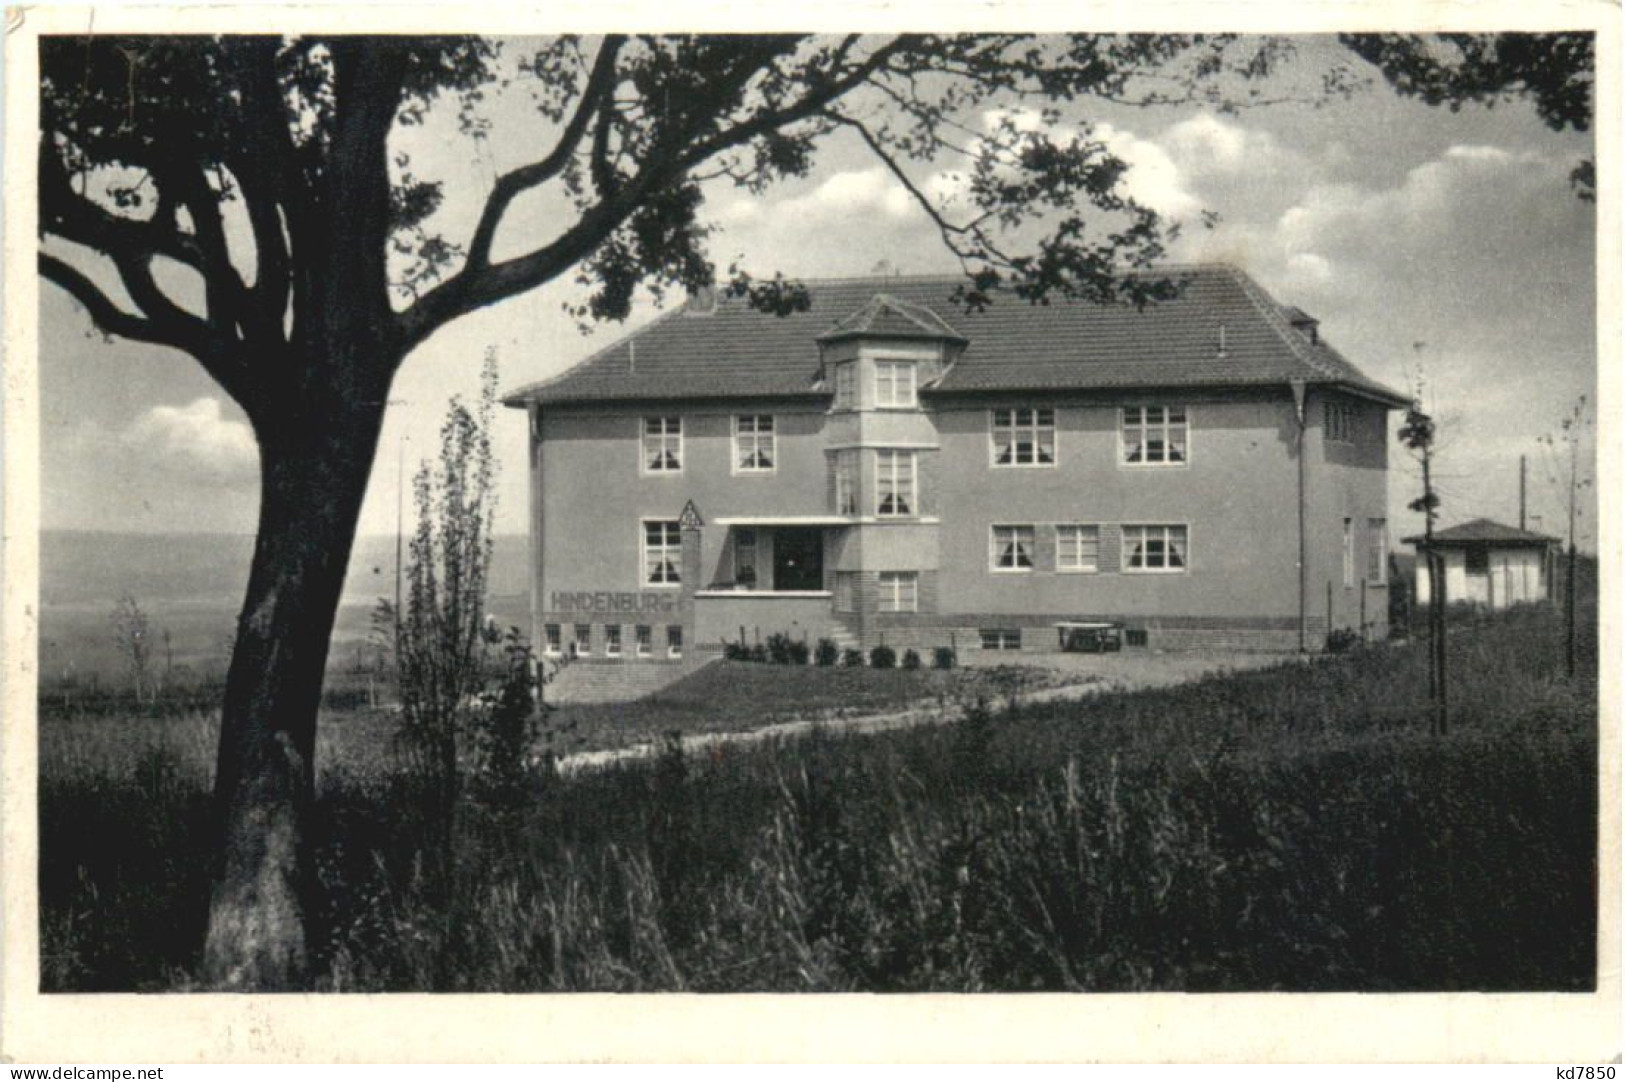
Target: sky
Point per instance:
(1437, 248)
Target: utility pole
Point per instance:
(1523, 492)
(1569, 587)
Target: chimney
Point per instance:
(702, 300)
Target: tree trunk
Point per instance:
(314, 471)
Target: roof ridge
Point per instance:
(948, 276)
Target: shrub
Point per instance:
(1341, 639)
(883, 657)
(852, 657)
(911, 659)
(778, 648)
(736, 651)
(943, 657)
(798, 652)
(758, 654)
(826, 653)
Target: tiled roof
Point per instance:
(733, 351)
(886, 316)
(1481, 530)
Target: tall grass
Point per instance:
(1294, 828)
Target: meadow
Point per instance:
(1297, 827)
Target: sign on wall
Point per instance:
(624, 601)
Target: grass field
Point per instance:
(1292, 828)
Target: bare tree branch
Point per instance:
(666, 161)
(600, 84)
(108, 317)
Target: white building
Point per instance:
(1486, 563)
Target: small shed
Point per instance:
(1488, 564)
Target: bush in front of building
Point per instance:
(1342, 638)
(826, 653)
(943, 657)
(778, 648)
(852, 657)
(783, 650)
(758, 654)
(883, 657)
(736, 651)
(911, 659)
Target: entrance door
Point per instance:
(798, 559)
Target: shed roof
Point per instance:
(734, 351)
(1482, 531)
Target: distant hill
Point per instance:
(191, 588)
(85, 567)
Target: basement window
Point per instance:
(1001, 638)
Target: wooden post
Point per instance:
(1364, 624)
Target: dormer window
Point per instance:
(894, 385)
(846, 385)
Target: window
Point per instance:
(1012, 548)
(745, 559)
(1155, 435)
(674, 640)
(754, 451)
(662, 553)
(1137, 636)
(846, 385)
(662, 445)
(1077, 548)
(846, 591)
(1154, 548)
(553, 639)
(1478, 561)
(846, 482)
(1340, 419)
(894, 483)
(1376, 553)
(1001, 638)
(899, 591)
(612, 640)
(1023, 437)
(1348, 553)
(582, 646)
(894, 385)
(643, 636)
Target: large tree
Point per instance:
(269, 169)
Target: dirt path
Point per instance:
(1126, 673)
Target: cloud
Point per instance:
(1154, 178)
(196, 441)
(850, 195)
